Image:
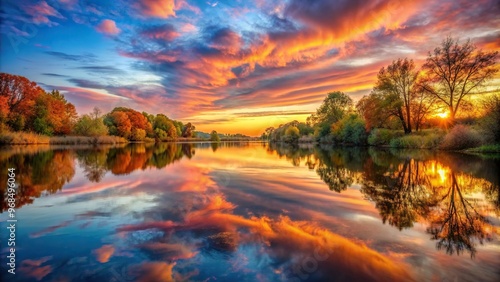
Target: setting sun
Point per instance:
(443, 114)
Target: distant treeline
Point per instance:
(412, 107)
(26, 107)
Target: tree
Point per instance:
(455, 71)
(118, 124)
(370, 107)
(128, 123)
(350, 130)
(333, 108)
(397, 83)
(490, 122)
(163, 123)
(292, 134)
(188, 130)
(91, 124)
(214, 136)
(20, 95)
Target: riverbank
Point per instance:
(28, 138)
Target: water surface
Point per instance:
(251, 212)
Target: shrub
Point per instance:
(292, 134)
(461, 137)
(490, 122)
(160, 134)
(90, 126)
(381, 136)
(350, 129)
(138, 134)
(417, 141)
(307, 139)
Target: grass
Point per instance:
(492, 148)
(28, 138)
(77, 140)
(22, 138)
(420, 141)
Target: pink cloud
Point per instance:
(41, 13)
(108, 27)
(157, 8)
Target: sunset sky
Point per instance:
(233, 66)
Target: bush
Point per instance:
(490, 122)
(307, 139)
(381, 136)
(292, 134)
(461, 137)
(414, 141)
(90, 126)
(160, 134)
(350, 129)
(138, 134)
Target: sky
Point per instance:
(231, 66)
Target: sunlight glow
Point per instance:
(442, 174)
(443, 114)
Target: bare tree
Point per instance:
(454, 71)
(398, 80)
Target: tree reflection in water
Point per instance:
(37, 173)
(452, 195)
(435, 189)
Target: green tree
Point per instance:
(214, 136)
(350, 130)
(91, 124)
(292, 134)
(333, 109)
(455, 71)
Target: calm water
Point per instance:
(251, 212)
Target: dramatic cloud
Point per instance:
(219, 59)
(108, 27)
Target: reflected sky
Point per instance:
(253, 212)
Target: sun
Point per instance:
(443, 114)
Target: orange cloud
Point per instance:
(153, 271)
(104, 253)
(108, 27)
(34, 268)
(157, 8)
(298, 242)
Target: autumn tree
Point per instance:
(397, 83)
(18, 96)
(370, 107)
(118, 124)
(128, 123)
(164, 127)
(188, 130)
(455, 71)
